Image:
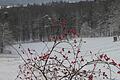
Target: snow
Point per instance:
(9, 68)
(9, 63)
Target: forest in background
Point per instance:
(98, 18)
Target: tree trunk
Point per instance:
(1, 51)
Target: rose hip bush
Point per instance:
(65, 61)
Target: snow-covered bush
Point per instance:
(65, 61)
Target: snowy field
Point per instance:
(9, 63)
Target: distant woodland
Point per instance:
(98, 18)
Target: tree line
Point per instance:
(96, 18)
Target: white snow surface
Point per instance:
(9, 62)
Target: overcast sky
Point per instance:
(11, 2)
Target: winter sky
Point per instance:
(11, 2)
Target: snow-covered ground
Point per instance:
(9, 63)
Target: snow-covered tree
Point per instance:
(5, 33)
(114, 17)
(5, 36)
